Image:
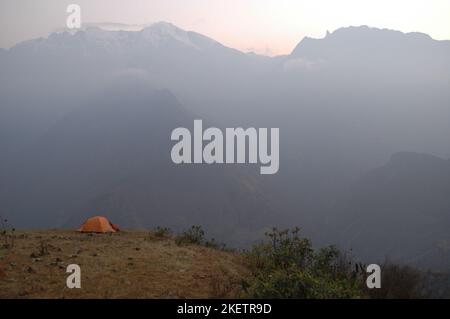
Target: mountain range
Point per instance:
(85, 122)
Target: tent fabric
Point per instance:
(98, 224)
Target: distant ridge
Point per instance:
(363, 35)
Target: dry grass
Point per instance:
(121, 265)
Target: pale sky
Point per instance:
(265, 26)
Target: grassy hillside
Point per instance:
(158, 264)
(122, 265)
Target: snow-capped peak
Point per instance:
(164, 30)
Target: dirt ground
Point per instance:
(121, 265)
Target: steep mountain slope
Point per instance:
(401, 211)
(112, 156)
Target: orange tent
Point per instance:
(98, 224)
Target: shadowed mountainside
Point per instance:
(401, 211)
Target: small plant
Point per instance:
(7, 234)
(212, 243)
(194, 235)
(42, 249)
(162, 232)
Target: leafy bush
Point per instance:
(288, 267)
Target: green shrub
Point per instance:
(286, 266)
(297, 284)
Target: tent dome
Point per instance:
(98, 224)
